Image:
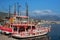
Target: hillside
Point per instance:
(40, 17)
(47, 17)
(3, 15)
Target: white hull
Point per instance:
(28, 35)
(5, 32)
(19, 36)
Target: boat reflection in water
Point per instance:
(44, 37)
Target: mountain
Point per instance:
(50, 17)
(39, 17)
(3, 15)
(47, 17)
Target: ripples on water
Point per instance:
(55, 32)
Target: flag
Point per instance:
(11, 20)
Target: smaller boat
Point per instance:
(0, 28)
(5, 28)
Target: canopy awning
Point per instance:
(22, 25)
(22, 16)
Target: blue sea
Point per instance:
(55, 32)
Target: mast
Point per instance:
(26, 14)
(9, 12)
(15, 10)
(18, 8)
(26, 9)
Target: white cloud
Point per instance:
(36, 11)
(39, 12)
(42, 12)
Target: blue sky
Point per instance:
(38, 6)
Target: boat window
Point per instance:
(15, 28)
(28, 27)
(21, 29)
(33, 27)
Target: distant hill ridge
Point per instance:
(40, 17)
(3, 15)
